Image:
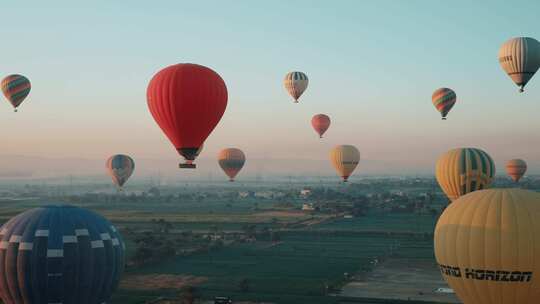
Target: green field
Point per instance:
(299, 266)
(306, 266)
(385, 222)
(302, 264)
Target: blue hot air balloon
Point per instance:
(59, 254)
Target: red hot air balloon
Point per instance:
(320, 123)
(187, 101)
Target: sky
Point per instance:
(372, 67)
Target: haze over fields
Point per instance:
(27, 167)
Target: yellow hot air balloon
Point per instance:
(516, 169)
(463, 170)
(487, 244)
(345, 158)
(520, 59)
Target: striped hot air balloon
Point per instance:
(120, 168)
(320, 123)
(59, 254)
(296, 83)
(463, 170)
(15, 87)
(231, 160)
(444, 99)
(345, 158)
(516, 168)
(520, 59)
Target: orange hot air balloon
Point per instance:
(345, 158)
(516, 168)
(187, 101)
(231, 160)
(320, 123)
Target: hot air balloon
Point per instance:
(15, 88)
(59, 254)
(463, 170)
(231, 160)
(486, 244)
(120, 168)
(296, 83)
(320, 123)
(520, 59)
(443, 99)
(199, 151)
(516, 169)
(345, 158)
(187, 101)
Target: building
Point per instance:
(308, 207)
(305, 193)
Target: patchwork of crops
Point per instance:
(301, 265)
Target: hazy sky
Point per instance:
(372, 65)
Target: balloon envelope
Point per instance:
(463, 170)
(486, 244)
(120, 168)
(231, 160)
(296, 83)
(187, 101)
(516, 168)
(444, 99)
(520, 59)
(320, 123)
(59, 254)
(344, 158)
(15, 87)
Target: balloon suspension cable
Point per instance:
(231, 180)
(15, 110)
(320, 136)
(521, 88)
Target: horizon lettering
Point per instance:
(487, 275)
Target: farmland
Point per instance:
(263, 248)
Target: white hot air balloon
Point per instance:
(520, 59)
(296, 83)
